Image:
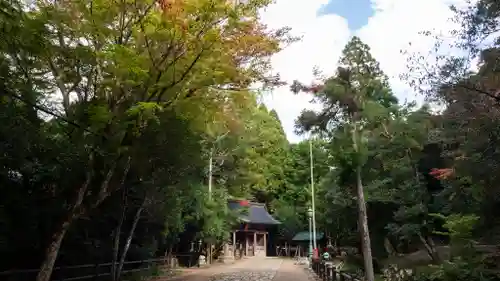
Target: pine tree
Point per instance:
(356, 102)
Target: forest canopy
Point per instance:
(126, 126)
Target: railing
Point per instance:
(327, 272)
(93, 272)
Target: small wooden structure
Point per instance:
(251, 237)
(298, 246)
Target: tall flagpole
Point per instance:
(312, 196)
(210, 170)
(210, 176)
(210, 165)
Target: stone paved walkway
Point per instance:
(253, 269)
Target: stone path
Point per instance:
(289, 271)
(253, 269)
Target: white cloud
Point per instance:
(394, 24)
(399, 22)
(323, 40)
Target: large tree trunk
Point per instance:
(129, 239)
(362, 214)
(51, 253)
(77, 210)
(52, 250)
(365, 233)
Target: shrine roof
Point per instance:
(257, 212)
(304, 236)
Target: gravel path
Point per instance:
(289, 271)
(252, 269)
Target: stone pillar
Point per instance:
(234, 243)
(229, 250)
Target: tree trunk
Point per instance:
(389, 248)
(167, 257)
(209, 252)
(52, 250)
(77, 210)
(431, 248)
(116, 247)
(129, 239)
(362, 214)
(437, 257)
(365, 233)
(51, 253)
(116, 244)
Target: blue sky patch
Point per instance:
(356, 12)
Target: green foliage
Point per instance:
(465, 136)
(293, 198)
(460, 230)
(109, 108)
(257, 161)
(217, 219)
(293, 218)
(458, 226)
(458, 270)
(105, 107)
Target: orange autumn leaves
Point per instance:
(227, 49)
(174, 10)
(172, 6)
(442, 174)
(232, 33)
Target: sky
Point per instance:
(356, 12)
(387, 26)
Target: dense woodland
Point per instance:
(111, 112)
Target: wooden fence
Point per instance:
(94, 272)
(327, 272)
